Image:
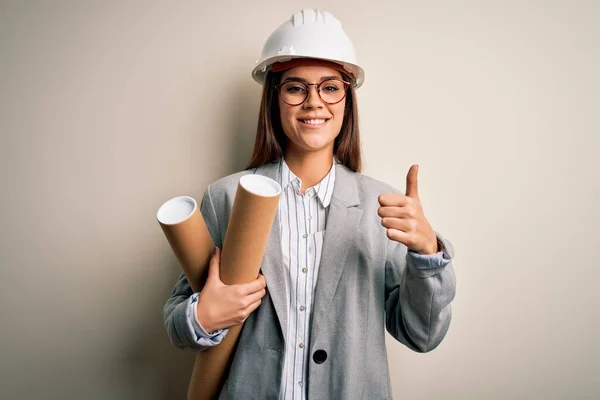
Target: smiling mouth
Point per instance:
(314, 121)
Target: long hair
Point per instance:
(270, 142)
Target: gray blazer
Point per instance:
(365, 282)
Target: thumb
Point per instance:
(213, 267)
(412, 183)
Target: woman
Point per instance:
(347, 255)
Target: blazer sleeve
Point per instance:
(178, 321)
(418, 292)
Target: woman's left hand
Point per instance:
(404, 218)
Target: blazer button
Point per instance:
(320, 356)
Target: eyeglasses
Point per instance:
(294, 92)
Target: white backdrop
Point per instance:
(108, 109)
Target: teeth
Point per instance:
(314, 121)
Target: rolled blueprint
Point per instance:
(250, 223)
(185, 229)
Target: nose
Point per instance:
(313, 100)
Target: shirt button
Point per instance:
(302, 308)
(304, 270)
(300, 383)
(305, 236)
(301, 345)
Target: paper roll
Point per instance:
(185, 229)
(252, 216)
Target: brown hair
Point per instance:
(270, 141)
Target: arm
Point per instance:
(217, 305)
(419, 289)
(181, 321)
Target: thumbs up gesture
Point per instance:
(404, 218)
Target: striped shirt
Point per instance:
(302, 218)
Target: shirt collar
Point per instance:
(323, 189)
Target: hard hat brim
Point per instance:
(259, 72)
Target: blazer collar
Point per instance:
(345, 189)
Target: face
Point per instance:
(313, 125)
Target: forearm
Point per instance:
(419, 311)
(420, 290)
(181, 322)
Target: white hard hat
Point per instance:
(309, 34)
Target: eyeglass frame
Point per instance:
(346, 86)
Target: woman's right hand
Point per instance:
(223, 306)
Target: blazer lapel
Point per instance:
(272, 265)
(340, 235)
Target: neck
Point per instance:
(311, 167)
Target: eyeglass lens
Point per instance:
(295, 93)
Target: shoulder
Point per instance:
(230, 180)
(368, 186)
(358, 188)
(371, 185)
(369, 190)
(227, 185)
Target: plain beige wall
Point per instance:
(108, 109)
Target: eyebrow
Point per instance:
(298, 79)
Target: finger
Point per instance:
(405, 225)
(392, 200)
(412, 183)
(398, 236)
(262, 280)
(253, 306)
(254, 297)
(395, 212)
(253, 287)
(213, 267)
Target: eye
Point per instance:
(330, 86)
(294, 88)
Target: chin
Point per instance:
(317, 146)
